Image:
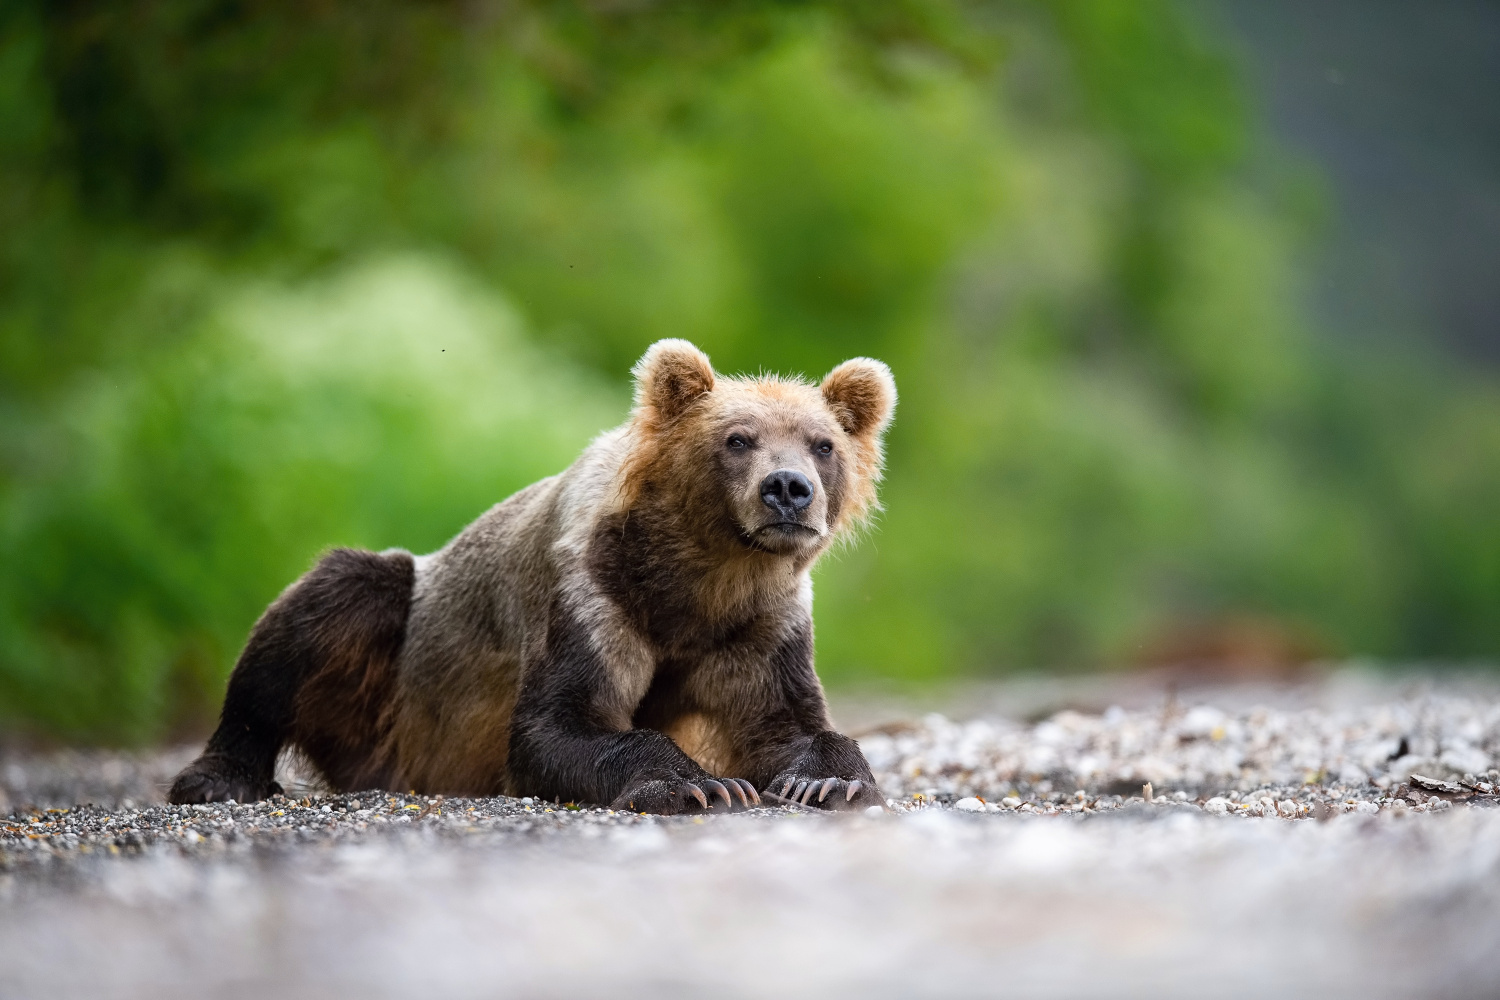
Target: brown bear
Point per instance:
(636, 631)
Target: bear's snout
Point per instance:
(787, 492)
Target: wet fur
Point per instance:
(621, 633)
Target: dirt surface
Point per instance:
(1336, 838)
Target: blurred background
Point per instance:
(1192, 306)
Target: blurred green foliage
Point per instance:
(281, 276)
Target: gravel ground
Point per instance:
(1337, 838)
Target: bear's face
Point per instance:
(770, 465)
(780, 464)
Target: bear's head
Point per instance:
(767, 464)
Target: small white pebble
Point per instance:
(874, 811)
(1010, 802)
(969, 804)
(1216, 805)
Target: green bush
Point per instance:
(384, 407)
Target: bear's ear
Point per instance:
(862, 395)
(670, 376)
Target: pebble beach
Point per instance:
(1337, 837)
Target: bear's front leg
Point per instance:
(786, 742)
(637, 769)
(570, 739)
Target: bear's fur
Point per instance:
(636, 631)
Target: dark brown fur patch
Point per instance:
(358, 603)
(647, 570)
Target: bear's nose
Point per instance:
(786, 491)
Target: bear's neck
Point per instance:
(682, 586)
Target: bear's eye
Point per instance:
(737, 442)
(825, 448)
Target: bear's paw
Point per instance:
(669, 795)
(838, 794)
(214, 778)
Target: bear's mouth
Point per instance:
(768, 535)
(788, 528)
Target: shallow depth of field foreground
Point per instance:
(1330, 838)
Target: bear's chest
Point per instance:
(672, 599)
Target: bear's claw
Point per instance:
(823, 793)
(673, 795)
(718, 789)
(744, 791)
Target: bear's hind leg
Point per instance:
(317, 672)
(239, 762)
